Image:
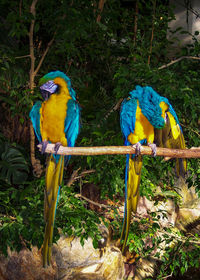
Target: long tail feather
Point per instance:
(181, 164)
(132, 183)
(171, 136)
(54, 175)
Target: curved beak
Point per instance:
(47, 89)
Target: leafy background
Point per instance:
(105, 60)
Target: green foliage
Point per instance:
(21, 206)
(14, 167)
(21, 217)
(22, 222)
(174, 252)
(177, 259)
(75, 219)
(110, 180)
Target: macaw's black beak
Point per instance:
(45, 94)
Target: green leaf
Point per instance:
(13, 166)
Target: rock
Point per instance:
(77, 262)
(145, 268)
(70, 261)
(184, 217)
(26, 265)
(188, 217)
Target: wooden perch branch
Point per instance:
(112, 150)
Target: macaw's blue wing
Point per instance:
(35, 118)
(72, 124)
(133, 166)
(128, 117)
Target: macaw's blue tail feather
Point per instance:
(125, 206)
(132, 183)
(54, 175)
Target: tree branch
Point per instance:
(100, 9)
(75, 176)
(177, 60)
(31, 45)
(135, 23)
(135, 26)
(152, 31)
(37, 167)
(44, 54)
(191, 129)
(23, 56)
(93, 202)
(111, 150)
(113, 109)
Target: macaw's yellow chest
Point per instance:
(53, 114)
(143, 129)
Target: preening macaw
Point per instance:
(56, 120)
(145, 118)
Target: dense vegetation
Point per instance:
(106, 52)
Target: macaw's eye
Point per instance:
(166, 117)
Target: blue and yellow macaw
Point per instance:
(145, 118)
(56, 120)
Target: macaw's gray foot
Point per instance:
(57, 146)
(137, 147)
(153, 148)
(44, 146)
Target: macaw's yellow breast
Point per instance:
(143, 129)
(53, 114)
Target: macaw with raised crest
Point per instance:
(56, 120)
(146, 118)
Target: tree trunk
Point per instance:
(37, 167)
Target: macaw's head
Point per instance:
(52, 83)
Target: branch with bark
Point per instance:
(113, 109)
(75, 175)
(37, 167)
(152, 31)
(122, 150)
(100, 9)
(177, 60)
(135, 26)
(93, 202)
